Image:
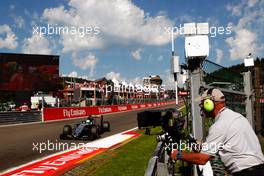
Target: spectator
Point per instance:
(24, 107)
(231, 137)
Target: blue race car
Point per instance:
(90, 129)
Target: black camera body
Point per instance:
(171, 120)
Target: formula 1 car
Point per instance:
(89, 129)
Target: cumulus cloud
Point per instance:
(120, 23)
(252, 3)
(242, 43)
(88, 62)
(248, 31)
(168, 79)
(73, 74)
(235, 9)
(136, 54)
(12, 7)
(10, 39)
(117, 76)
(113, 75)
(160, 58)
(19, 21)
(219, 55)
(36, 44)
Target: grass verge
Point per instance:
(129, 159)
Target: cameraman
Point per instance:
(231, 136)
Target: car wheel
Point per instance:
(67, 130)
(94, 132)
(106, 126)
(62, 137)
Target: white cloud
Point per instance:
(137, 54)
(113, 75)
(10, 40)
(248, 31)
(117, 76)
(235, 9)
(168, 79)
(19, 21)
(219, 55)
(160, 58)
(125, 24)
(88, 62)
(242, 43)
(11, 7)
(73, 74)
(252, 3)
(36, 44)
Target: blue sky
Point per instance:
(132, 40)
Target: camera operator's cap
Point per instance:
(216, 95)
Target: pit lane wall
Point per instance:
(50, 114)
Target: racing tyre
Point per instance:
(99, 129)
(106, 126)
(94, 132)
(63, 137)
(67, 130)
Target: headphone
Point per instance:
(208, 104)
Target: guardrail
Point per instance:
(49, 114)
(160, 164)
(153, 162)
(19, 117)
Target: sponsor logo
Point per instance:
(149, 105)
(122, 108)
(143, 106)
(104, 110)
(73, 112)
(134, 106)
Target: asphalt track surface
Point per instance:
(16, 142)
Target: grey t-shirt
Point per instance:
(232, 137)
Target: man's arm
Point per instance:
(191, 157)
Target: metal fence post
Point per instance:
(248, 92)
(197, 121)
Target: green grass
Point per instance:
(129, 159)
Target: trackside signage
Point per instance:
(60, 163)
(50, 114)
(68, 113)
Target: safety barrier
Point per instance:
(153, 162)
(50, 114)
(19, 117)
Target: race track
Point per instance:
(16, 142)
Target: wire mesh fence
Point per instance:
(218, 76)
(231, 83)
